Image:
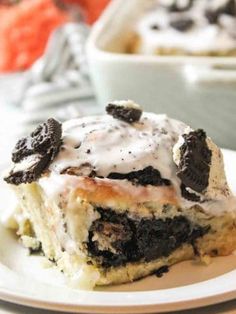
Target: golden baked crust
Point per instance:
(102, 192)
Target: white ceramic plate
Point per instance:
(25, 280)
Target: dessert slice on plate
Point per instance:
(195, 28)
(114, 198)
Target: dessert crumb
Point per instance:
(161, 271)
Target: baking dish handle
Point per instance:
(210, 74)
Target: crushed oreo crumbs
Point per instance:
(154, 27)
(161, 271)
(146, 176)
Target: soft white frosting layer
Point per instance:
(202, 37)
(110, 145)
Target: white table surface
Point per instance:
(9, 128)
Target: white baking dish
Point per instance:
(198, 90)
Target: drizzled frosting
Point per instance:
(202, 37)
(110, 145)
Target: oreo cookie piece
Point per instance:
(230, 8)
(46, 135)
(155, 27)
(182, 24)
(36, 152)
(146, 176)
(30, 174)
(195, 160)
(161, 271)
(85, 169)
(188, 195)
(213, 13)
(128, 112)
(212, 16)
(22, 149)
(180, 5)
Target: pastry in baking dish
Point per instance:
(114, 198)
(186, 27)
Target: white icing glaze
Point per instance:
(110, 145)
(202, 37)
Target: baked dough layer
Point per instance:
(62, 229)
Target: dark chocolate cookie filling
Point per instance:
(188, 195)
(182, 25)
(115, 239)
(146, 176)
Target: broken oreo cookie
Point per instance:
(129, 112)
(182, 24)
(155, 27)
(161, 271)
(195, 159)
(146, 176)
(188, 195)
(212, 16)
(36, 151)
(85, 169)
(46, 135)
(22, 149)
(30, 174)
(213, 13)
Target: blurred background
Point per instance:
(43, 69)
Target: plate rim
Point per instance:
(39, 303)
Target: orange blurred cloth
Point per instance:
(91, 8)
(24, 32)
